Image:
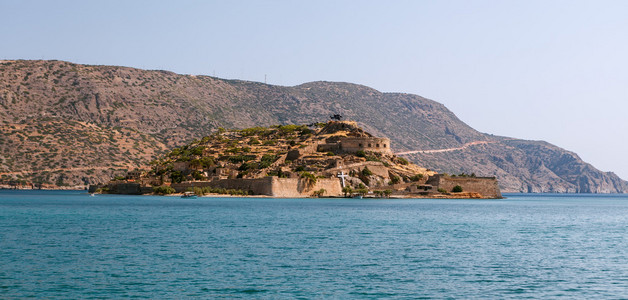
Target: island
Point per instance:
(332, 159)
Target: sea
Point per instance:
(70, 245)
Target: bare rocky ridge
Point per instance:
(71, 124)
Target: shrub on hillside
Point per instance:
(366, 171)
(402, 161)
(416, 177)
(163, 190)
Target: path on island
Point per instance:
(465, 146)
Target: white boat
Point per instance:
(188, 195)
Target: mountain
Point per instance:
(71, 124)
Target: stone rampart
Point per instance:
(328, 147)
(373, 144)
(486, 186)
(298, 187)
(125, 188)
(257, 186)
(269, 186)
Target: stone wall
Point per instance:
(298, 187)
(299, 152)
(269, 186)
(181, 166)
(486, 186)
(125, 188)
(328, 147)
(373, 144)
(258, 186)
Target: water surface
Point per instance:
(70, 245)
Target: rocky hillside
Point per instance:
(70, 124)
(285, 151)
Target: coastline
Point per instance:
(452, 196)
(56, 188)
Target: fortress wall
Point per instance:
(373, 144)
(269, 186)
(333, 147)
(486, 186)
(299, 152)
(184, 186)
(125, 188)
(297, 187)
(259, 186)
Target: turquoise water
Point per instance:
(70, 245)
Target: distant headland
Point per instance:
(333, 159)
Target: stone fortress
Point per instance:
(359, 140)
(336, 159)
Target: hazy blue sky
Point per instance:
(542, 70)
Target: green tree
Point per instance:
(457, 189)
(198, 175)
(198, 150)
(163, 190)
(366, 171)
(176, 176)
(196, 163)
(347, 190)
(310, 179)
(319, 193)
(207, 162)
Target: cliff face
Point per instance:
(74, 124)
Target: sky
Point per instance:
(540, 70)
